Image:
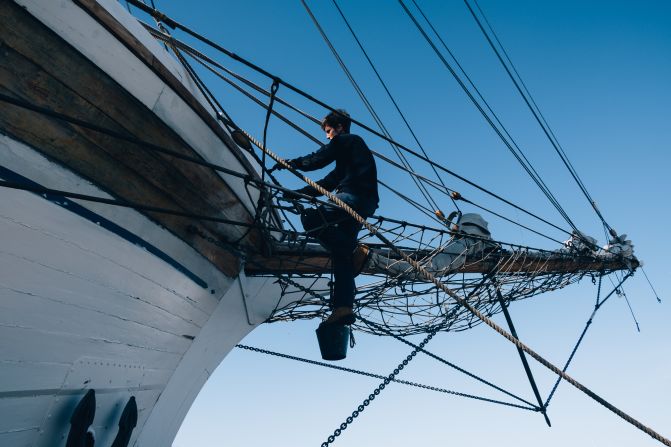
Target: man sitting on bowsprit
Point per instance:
(354, 181)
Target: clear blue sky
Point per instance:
(600, 72)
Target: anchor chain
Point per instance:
(376, 392)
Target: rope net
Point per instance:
(390, 291)
(420, 280)
(393, 295)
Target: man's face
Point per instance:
(332, 131)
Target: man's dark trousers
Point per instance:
(337, 231)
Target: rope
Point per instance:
(425, 193)
(496, 129)
(198, 161)
(391, 97)
(311, 292)
(535, 110)
(273, 92)
(597, 306)
(376, 392)
(456, 367)
(389, 378)
(128, 204)
(483, 318)
(313, 99)
(659, 300)
(379, 376)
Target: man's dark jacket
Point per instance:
(355, 172)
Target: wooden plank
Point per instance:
(16, 376)
(73, 24)
(90, 96)
(135, 73)
(100, 14)
(35, 215)
(92, 271)
(21, 438)
(32, 311)
(23, 413)
(54, 139)
(537, 263)
(69, 290)
(147, 178)
(101, 100)
(109, 406)
(30, 345)
(106, 423)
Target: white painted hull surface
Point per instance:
(84, 308)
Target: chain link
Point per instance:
(376, 392)
(379, 376)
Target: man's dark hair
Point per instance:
(336, 118)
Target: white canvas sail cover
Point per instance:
(473, 237)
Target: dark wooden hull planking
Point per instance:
(39, 67)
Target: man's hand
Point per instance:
(279, 166)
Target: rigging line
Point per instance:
(429, 213)
(386, 381)
(474, 311)
(303, 131)
(355, 121)
(525, 363)
(269, 109)
(391, 97)
(517, 152)
(446, 231)
(512, 221)
(262, 104)
(451, 233)
(130, 204)
(452, 365)
(620, 292)
(432, 215)
(659, 300)
(228, 121)
(264, 198)
(378, 376)
(449, 192)
(129, 139)
(366, 102)
(204, 60)
(597, 306)
(631, 310)
(507, 143)
(216, 106)
(391, 377)
(535, 110)
(192, 74)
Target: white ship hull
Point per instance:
(100, 297)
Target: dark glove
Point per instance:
(279, 166)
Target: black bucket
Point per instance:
(333, 340)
